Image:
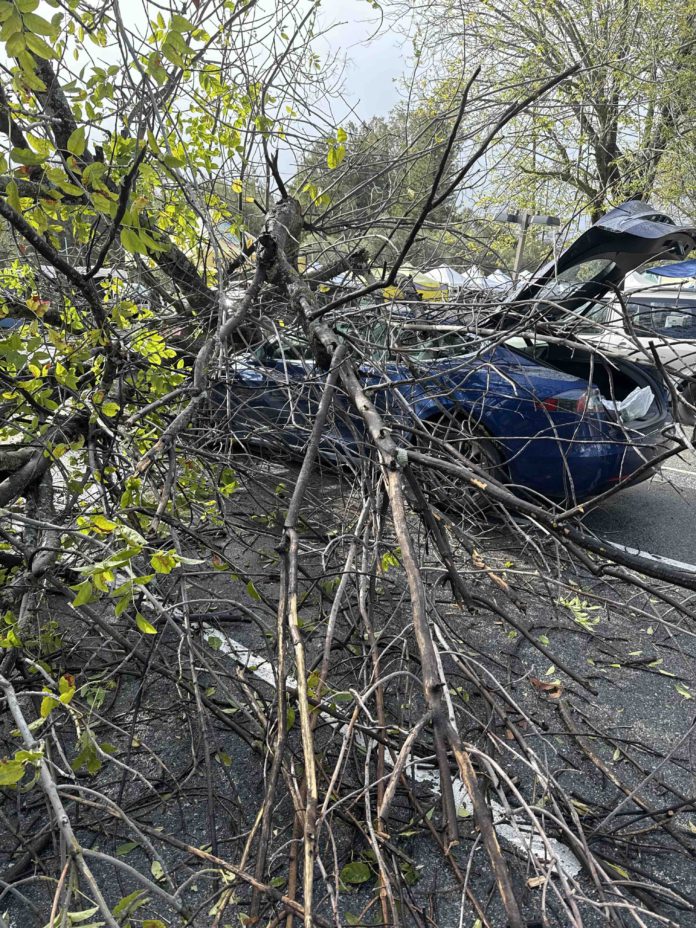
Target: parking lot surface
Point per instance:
(658, 516)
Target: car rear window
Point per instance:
(663, 317)
(574, 278)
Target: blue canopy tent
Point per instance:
(679, 269)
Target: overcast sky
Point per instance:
(374, 51)
(373, 64)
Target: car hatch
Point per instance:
(601, 257)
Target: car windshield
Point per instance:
(426, 344)
(287, 348)
(380, 341)
(670, 318)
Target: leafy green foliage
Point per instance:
(356, 872)
(618, 128)
(12, 770)
(583, 613)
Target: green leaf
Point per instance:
(126, 848)
(28, 65)
(102, 524)
(181, 24)
(356, 872)
(77, 142)
(26, 6)
(341, 135)
(110, 409)
(93, 173)
(26, 156)
(152, 142)
(157, 870)
(11, 772)
(16, 44)
(84, 593)
(132, 242)
(171, 54)
(103, 204)
(153, 923)
(164, 562)
(252, 591)
(48, 704)
(77, 917)
(131, 902)
(39, 25)
(683, 691)
(172, 161)
(335, 155)
(71, 189)
(13, 196)
(11, 24)
(39, 46)
(144, 626)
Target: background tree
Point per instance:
(368, 186)
(605, 135)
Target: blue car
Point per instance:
(542, 415)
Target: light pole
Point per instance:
(524, 220)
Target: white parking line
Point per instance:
(516, 831)
(658, 558)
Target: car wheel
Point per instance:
(447, 491)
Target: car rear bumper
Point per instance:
(577, 471)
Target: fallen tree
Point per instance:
(331, 747)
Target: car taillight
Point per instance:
(575, 401)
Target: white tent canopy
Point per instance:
(447, 276)
(470, 278)
(498, 280)
(474, 278)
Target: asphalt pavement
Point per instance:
(658, 516)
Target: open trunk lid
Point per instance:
(599, 259)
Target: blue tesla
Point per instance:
(541, 413)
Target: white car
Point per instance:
(657, 321)
(649, 322)
(653, 323)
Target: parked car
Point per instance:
(530, 421)
(541, 416)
